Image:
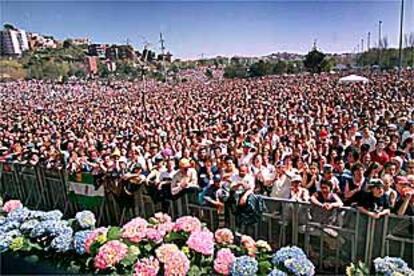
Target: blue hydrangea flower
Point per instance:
(9, 225)
(277, 272)
(52, 227)
(39, 229)
(244, 266)
(19, 214)
(13, 233)
(56, 228)
(61, 243)
(300, 266)
(86, 219)
(79, 241)
(37, 215)
(390, 265)
(2, 220)
(52, 215)
(5, 242)
(286, 253)
(28, 225)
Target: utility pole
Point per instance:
(379, 43)
(369, 40)
(362, 45)
(401, 39)
(163, 56)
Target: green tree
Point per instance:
(67, 43)
(314, 60)
(9, 26)
(260, 69)
(235, 71)
(103, 70)
(279, 67)
(208, 73)
(327, 64)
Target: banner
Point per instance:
(83, 191)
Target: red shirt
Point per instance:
(381, 158)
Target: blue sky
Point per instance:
(227, 28)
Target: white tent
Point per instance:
(353, 78)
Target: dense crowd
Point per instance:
(302, 137)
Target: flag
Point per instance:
(83, 191)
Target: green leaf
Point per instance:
(265, 267)
(174, 236)
(95, 248)
(134, 250)
(130, 259)
(194, 271)
(114, 233)
(148, 247)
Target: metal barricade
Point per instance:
(397, 238)
(331, 240)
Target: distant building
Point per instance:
(111, 66)
(97, 50)
(166, 57)
(39, 42)
(81, 41)
(91, 65)
(13, 42)
(124, 52)
(112, 52)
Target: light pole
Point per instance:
(379, 43)
(401, 39)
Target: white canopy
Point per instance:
(353, 78)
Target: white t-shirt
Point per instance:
(281, 188)
(248, 181)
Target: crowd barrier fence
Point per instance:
(331, 239)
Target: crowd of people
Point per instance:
(304, 137)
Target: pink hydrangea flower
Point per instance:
(187, 224)
(147, 267)
(223, 261)
(110, 254)
(249, 244)
(165, 251)
(154, 235)
(166, 227)
(11, 205)
(177, 265)
(162, 218)
(202, 242)
(224, 236)
(99, 233)
(135, 230)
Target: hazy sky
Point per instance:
(215, 28)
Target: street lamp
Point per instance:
(401, 38)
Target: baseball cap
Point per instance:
(327, 168)
(376, 183)
(296, 178)
(217, 177)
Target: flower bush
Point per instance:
(157, 246)
(391, 266)
(387, 266)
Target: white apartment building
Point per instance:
(13, 42)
